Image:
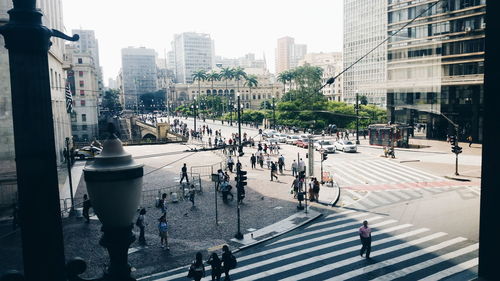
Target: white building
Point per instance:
(365, 26)
(288, 54)
(192, 52)
(139, 74)
(247, 61)
(83, 77)
(331, 63)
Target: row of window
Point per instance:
(81, 127)
(73, 117)
(452, 48)
(443, 7)
(458, 69)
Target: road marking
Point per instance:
(452, 270)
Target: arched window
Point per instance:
(221, 92)
(247, 105)
(208, 92)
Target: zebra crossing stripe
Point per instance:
(343, 174)
(324, 229)
(400, 194)
(452, 270)
(395, 172)
(379, 265)
(345, 262)
(330, 219)
(381, 172)
(311, 259)
(362, 172)
(339, 214)
(407, 270)
(389, 196)
(378, 198)
(407, 169)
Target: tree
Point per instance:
(199, 75)
(238, 74)
(228, 74)
(111, 101)
(213, 76)
(251, 82)
(363, 100)
(283, 78)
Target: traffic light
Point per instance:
(260, 131)
(325, 156)
(456, 149)
(240, 184)
(240, 150)
(453, 140)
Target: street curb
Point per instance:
(457, 179)
(404, 149)
(278, 234)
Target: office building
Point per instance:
(192, 52)
(139, 74)
(331, 63)
(288, 54)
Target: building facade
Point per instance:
(139, 74)
(288, 54)
(192, 52)
(435, 66)
(83, 78)
(331, 63)
(247, 61)
(365, 26)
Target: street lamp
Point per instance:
(230, 102)
(274, 116)
(240, 147)
(357, 117)
(194, 109)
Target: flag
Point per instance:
(69, 99)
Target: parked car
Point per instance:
(272, 141)
(269, 133)
(87, 152)
(281, 137)
(346, 146)
(328, 146)
(304, 143)
(292, 139)
(300, 142)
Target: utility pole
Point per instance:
(68, 161)
(274, 116)
(357, 117)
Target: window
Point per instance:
(80, 60)
(82, 92)
(84, 117)
(80, 73)
(73, 117)
(82, 103)
(82, 84)
(84, 127)
(74, 127)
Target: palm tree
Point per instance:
(199, 75)
(251, 82)
(213, 76)
(238, 74)
(228, 74)
(283, 77)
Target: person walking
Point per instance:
(184, 173)
(163, 203)
(301, 166)
(86, 208)
(163, 232)
(274, 171)
(192, 192)
(469, 139)
(253, 160)
(229, 262)
(268, 161)
(295, 186)
(197, 270)
(281, 163)
(316, 189)
(216, 265)
(230, 163)
(141, 223)
(365, 234)
(294, 168)
(261, 161)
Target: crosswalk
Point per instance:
(376, 171)
(369, 199)
(329, 250)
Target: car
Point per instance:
(328, 146)
(281, 137)
(272, 141)
(305, 136)
(346, 146)
(300, 142)
(269, 133)
(87, 152)
(292, 139)
(304, 143)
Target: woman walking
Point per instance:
(216, 265)
(229, 262)
(163, 230)
(197, 270)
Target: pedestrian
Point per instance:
(301, 166)
(295, 186)
(365, 234)
(86, 207)
(268, 161)
(184, 173)
(310, 190)
(163, 203)
(469, 139)
(197, 270)
(192, 192)
(229, 262)
(294, 168)
(261, 161)
(163, 232)
(209, 142)
(253, 160)
(316, 189)
(281, 163)
(230, 163)
(216, 265)
(141, 223)
(274, 170)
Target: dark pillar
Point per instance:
(28, 43)
(490, 182)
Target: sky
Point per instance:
(237, 27)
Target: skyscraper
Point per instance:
(365, 26)
(139, 74)
(288, 53)
(192, 52)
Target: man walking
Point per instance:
(294, 168)
(274, 171)
(184, 173)
(253, 160)
(230, 163)
(365, 234)
(469, 139)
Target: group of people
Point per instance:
(218, 265)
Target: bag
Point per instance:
(232, 262)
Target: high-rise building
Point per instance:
(83, 79)
(247, 61)
(89, 44)
(365, 26)
(435, 66)
(192, 52)
(288, 54)
(331, 63)
(139, 74)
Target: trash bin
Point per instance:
(174, 197)
(79, 212)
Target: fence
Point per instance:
(151, 196)
(208, 170)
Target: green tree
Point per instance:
(111, 101)
(228, 74)
(251, 82)
(213, 76)
(199, 75)
(239, 74)
(363, 100)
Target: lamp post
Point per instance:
(357, 117)
(28, 43)
(274, 116)
(230, 111)
(68, 162)
(240, 147)
(194, 109)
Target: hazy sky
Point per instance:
(238, 27)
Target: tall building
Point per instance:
(192, 52)
(89, 44)
(247, 61)
(83, 78)
(139, 74)
(365, 26)
(435, 66)
(288, 53)
(331, 63)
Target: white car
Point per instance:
(272, 141)
(328, 146)
(87, 152)
(281, 137)
(269, 133)
(292, 139)
(346, 146)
